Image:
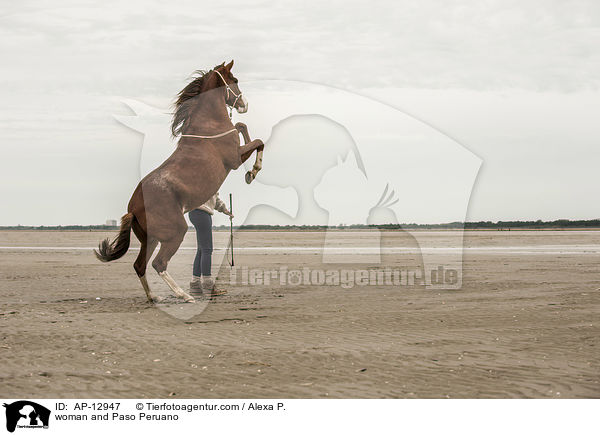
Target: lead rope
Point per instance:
(231, 263)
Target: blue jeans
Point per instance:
(202, 222)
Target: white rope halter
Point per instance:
(237, 96)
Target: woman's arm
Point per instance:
(220, 206)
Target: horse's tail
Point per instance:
(109, 251)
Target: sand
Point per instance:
(524, 324)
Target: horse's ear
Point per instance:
(229, 65)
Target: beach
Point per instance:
(523, 324)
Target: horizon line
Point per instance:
(557, 223)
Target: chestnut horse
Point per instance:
(208, 149)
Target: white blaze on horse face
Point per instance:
(175, 288)
(244, 107)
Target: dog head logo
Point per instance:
(26, 414)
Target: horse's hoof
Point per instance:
(157, 299)
(249, 177)
(189, 299)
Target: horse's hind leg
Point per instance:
(146, 249)
(167, 249)
(140, 264)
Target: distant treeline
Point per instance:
(500, 225)
(539, 224)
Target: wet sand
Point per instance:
(524, 323)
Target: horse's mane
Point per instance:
(183, 103)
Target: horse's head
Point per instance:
(204, 87)
(233, 97)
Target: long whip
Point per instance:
(231, 228)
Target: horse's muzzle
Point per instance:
(243, 107)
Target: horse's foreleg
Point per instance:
(246, 151)
(243, 128)
(251, 175)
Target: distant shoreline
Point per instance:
(561, 224)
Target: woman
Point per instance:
(201, 218)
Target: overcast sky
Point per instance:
(515, 82)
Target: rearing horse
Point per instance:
(208, 149)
